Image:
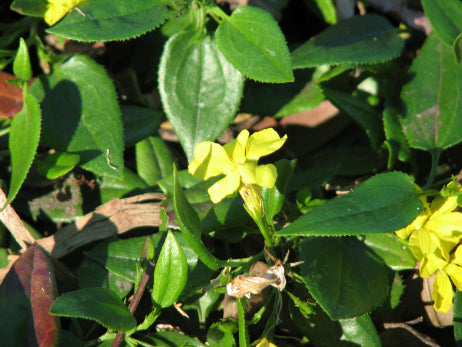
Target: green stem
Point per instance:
(436, 154)
(243, 332)
(217, 14)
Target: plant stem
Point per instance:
(436, 154)
(136, 299)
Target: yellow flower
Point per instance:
(238, 161)
(442, 288)
(437, 230)
(433, 237)
(57, 9)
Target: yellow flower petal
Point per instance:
(455, 273)
(236, 148)
(447, 225)
(423, 242)
(224, 187)
(248, 173)
(442, 205)
(210, 160)
(442, 292)
(57, 9)
(263, 142)
(266, 175)
(415, 225)
(431, 263)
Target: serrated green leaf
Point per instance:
(360, 331)
(170, 274)
(343, 275)
(92, 127)
(21, 64)
(23, 142)
(385, 202)
(154, 160)
(445, 18)
(200, 89)
(107, 20)
(433, 99)
(253, 42)
(362, 113)
(392, 250)
(97, 304)
(360, 40)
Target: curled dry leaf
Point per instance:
(245, 285)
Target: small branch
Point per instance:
(136, 300)
(422, 337)
(11, 220)
(115, 217)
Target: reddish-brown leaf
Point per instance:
(10, 96)
(31, 278)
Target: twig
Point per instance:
(11, 220)
(136, 299)
(422, 337)
(115, 217)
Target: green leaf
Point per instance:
(92, 274)
(97, 304)
(21, 64)
(200, 89)
(458, 318)
(139, 123)
(190, 226)
(360, 331)
(253, 42)
(343, 275)
(328, 11)
(57, 164)
(153, 160)
(170, 274)
(107, 20)
(173, 338)
(26, 295)
(432, 98)
(119, 257)
(385, 202)
(92, 127)
(34, 8)
(457, 47)
(23, 142)
(130, 183)
(445, 18)
(362, 113)
(307, 99)
(392, 250)
(360, 40)
(273, 198)
(220, 334)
